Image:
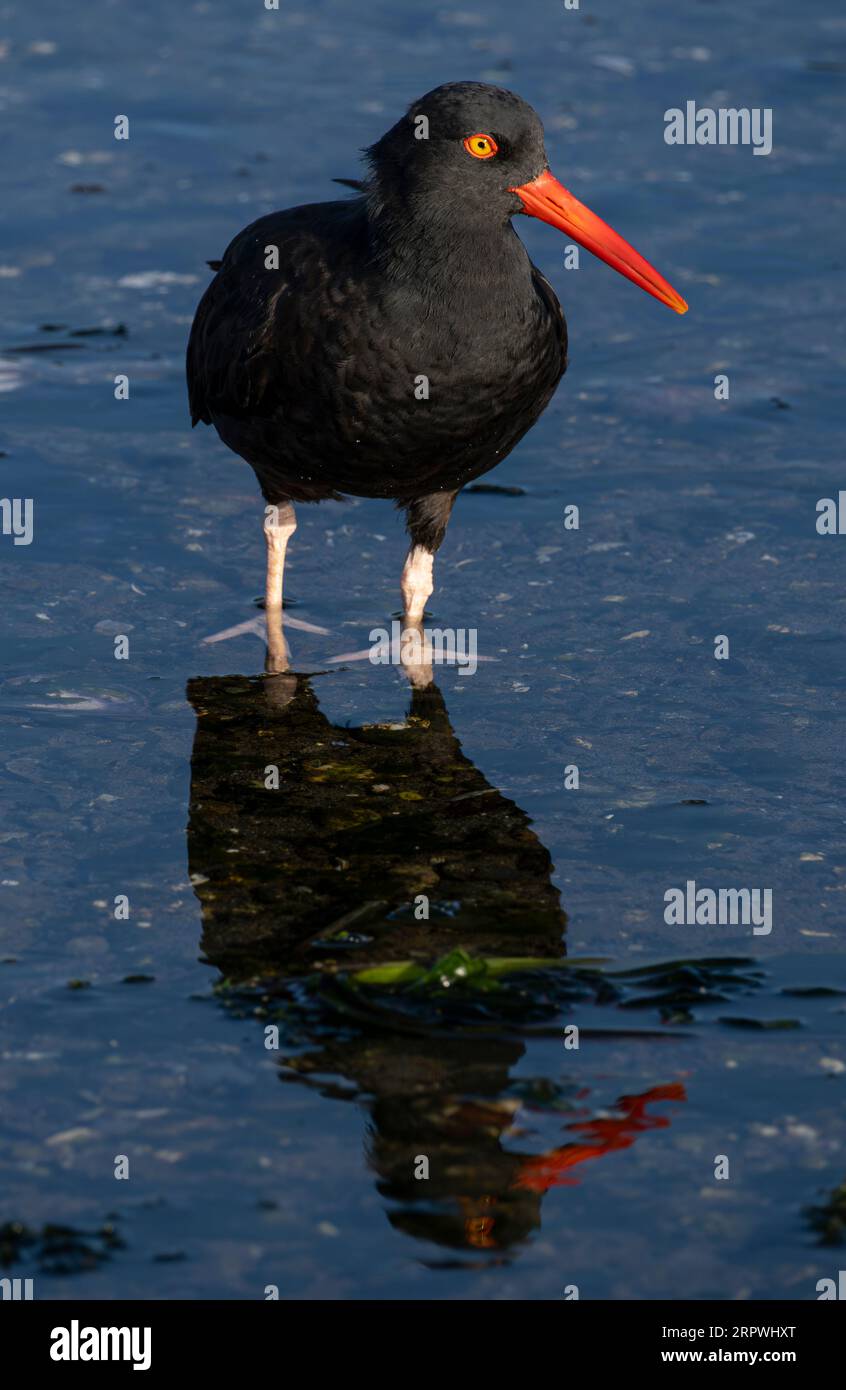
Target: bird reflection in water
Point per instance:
(322, 874)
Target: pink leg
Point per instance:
(280, 523)
(417, 582)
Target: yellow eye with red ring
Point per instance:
(481, 146)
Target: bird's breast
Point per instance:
(463, 359)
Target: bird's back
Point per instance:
(259, 302)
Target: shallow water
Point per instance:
(549, 1166)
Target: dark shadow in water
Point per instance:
(364, 820)
(304, 883)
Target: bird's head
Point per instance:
(468, 154)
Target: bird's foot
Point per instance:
(258, 626)
(269, 627)
(413, 652)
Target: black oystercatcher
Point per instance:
(399, 343)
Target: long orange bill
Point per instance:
(549, 200)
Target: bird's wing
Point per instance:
(236, 361)
(550, 299)
(228, 360)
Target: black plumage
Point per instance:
(311, 372)
(399, 343)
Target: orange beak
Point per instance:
(549, 200)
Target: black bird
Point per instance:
(396, 344)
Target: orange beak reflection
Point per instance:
(550, 201)
(606, 1136)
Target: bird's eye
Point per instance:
(481, 146)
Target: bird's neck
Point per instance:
(434, 252)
